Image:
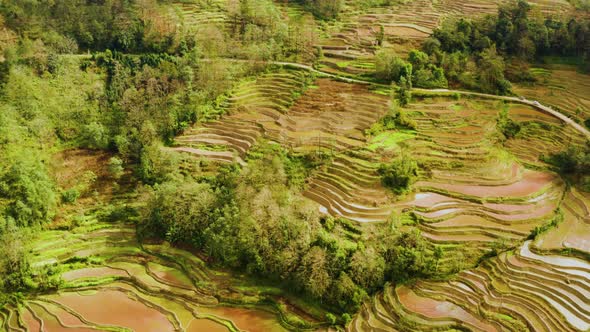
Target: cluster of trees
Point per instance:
(128, 104)
(418, 70)
(325, 9)
(483, 54)
(574, 164)
(399, 175)
(508, 127)
(93, 25)
(254, 219)
(256, 30)
(145, 82)
(516, 31)
(149, 99)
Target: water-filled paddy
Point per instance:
(246, 319)
(113, 307)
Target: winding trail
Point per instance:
(532, 103)
(520, 100)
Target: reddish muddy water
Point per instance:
(30, 321)
(170, 275)
(205, 325)
(541, 211)
(51, 324)
(64, 316)
(246, 319)
(476, 221)
(95, 272)
(438, 309)
(116, 308)
(531, 182)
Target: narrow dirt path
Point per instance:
(523, 100)
(533, 103)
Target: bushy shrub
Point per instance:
(425, 74)
(408, 258)
(27, 191)
(395, 118)
(326, 9)
(507, 126)
(399, 175)
(70, 195)
(116, 167)
(572, 161)
(95, 136)
(390, 67)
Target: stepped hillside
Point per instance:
(349, 46)
(514, 291)
(169, 289)
(261, 165)
(563, 87)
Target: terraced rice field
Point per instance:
(516, 291)
(562, 87)
(202, 13)
(467, 175)
(476, 195)
(329, 117)
(540, 136)
(254, 105)
(572, 233)
(125, 286)
(349, 46)
(468, 183)
(350, 187)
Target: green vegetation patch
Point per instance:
(390, 139)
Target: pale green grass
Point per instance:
(390, 139)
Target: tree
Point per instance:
(95, 136)
(399, 175)
(491, 73)
(179, 210)
(312, 273)
(572, 161)
(14, 265)
(326, 9)
(507, 126)
(367, 269)
(431, 46)
(380, 36)
(390, 67)
(346, 294)
(404, 91)
(431, 77)
(27, 189)
(116, 167)
(408, 258)
(418, 59)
